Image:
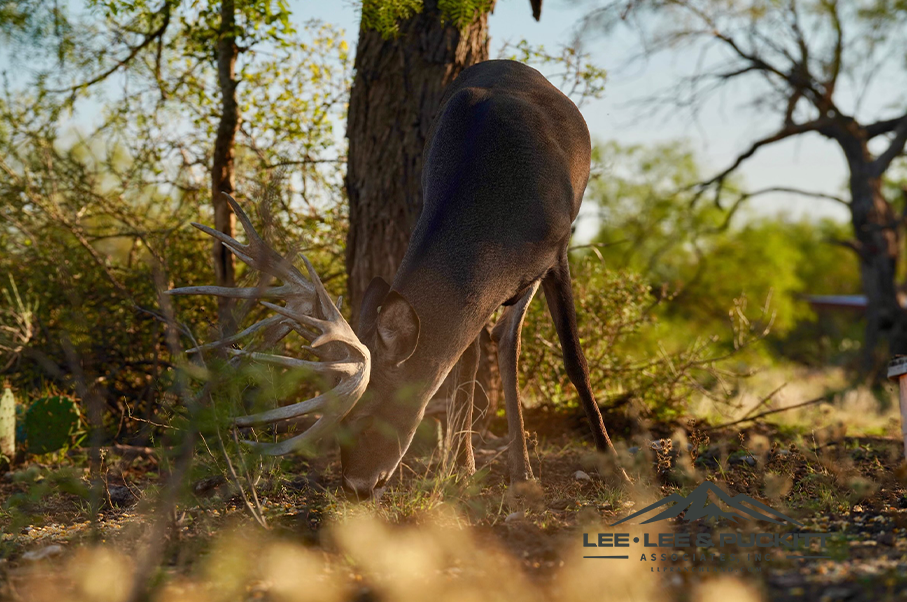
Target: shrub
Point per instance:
(617, 315)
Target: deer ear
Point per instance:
(398, 327)
(368, 310)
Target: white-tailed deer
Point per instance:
(504, 173)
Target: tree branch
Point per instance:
(306, 161)
(883, 127)
(827, 397)
(787, 131)
(837, 60)
(134, 51)
(807, 193)
(894, 149)
(798, 78)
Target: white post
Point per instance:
(897, 370)
(8, 423)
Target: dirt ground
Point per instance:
(851, 488)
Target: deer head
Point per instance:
(366, 367)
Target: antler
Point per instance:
(309, 311)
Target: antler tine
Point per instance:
(343, 368)
(335, 404)
(328, 309)
(228, 241)
(266, 323)
(256, 253)
(299, 443)
(234, 292)
(353, 369)
(244, 220)
(310, 311)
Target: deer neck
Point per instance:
(450, 317)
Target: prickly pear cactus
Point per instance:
(51, 423)
(7, 423)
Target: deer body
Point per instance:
(503, 178)
(504, 173)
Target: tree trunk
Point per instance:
(877, 230)
(395, 94)
(222, 168)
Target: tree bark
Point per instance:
(222, 165)
(396, 91)
(878, 232)
(395, 94)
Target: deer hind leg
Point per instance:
(559, 295)
(507, 335)
(460, 412)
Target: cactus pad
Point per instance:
(51, 423)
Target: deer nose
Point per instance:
(359, 491)
(356, 490)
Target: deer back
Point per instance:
(503, 176)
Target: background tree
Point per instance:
(134, 34)
(702, 260)
(805, 60)
(408, 52)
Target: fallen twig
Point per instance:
(825, 397)
(762, 402)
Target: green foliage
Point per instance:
(36, 486)
(619, 329)
(257, 21)
(767, 258)
(570, 68)
(648, 217)
(652, 222)
(824, 337)
(36, 24)
(17, 322)
(462, 13)
(51, 423)
(384, 16)
(94, 222)
(773, 262)
(792, 57)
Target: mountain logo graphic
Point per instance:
(696, 506)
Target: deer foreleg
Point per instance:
(507, 335)
(460, 412)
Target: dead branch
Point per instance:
(826, 397)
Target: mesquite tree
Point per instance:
(126, 37)
(405, 59)
(805, 61)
